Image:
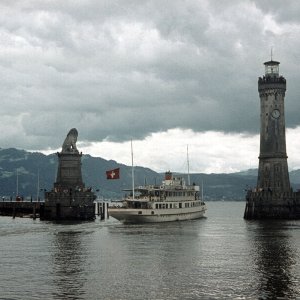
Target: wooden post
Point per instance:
(34, 211)
(98, 209)
(102, 211)
(42, 206)
(14, 210)
(107, 214)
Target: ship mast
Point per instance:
(188, 164)
(17, 183)
(38, 186)
(132, 172)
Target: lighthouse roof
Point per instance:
(271, 63)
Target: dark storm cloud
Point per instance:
(124, 69)
(284, 11)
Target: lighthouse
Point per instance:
(272, 198)
(273, 168)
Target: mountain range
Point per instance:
(19, 171)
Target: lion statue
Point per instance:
(69, 144)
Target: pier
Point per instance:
(35, 209)
(20, 208)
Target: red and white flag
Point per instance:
(113, 174)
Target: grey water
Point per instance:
(221, 256)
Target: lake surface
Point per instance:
(221, 256)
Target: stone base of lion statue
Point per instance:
(69, 199)
(69, 169)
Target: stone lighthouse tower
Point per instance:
(273, 169)
(273, 197)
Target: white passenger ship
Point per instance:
(171, 201)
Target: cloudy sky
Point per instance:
(165, 74)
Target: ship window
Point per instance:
(156, 206)
(180, 205)
(170, 205)
(152, 212)
(140, 212)
(166, 205)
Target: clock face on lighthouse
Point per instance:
(275, 113)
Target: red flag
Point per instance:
(113, 174)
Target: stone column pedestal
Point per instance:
(69, 199)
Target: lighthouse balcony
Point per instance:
(268, 82)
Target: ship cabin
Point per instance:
(173, 193)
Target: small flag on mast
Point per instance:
(113, 174)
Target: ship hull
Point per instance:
(126, 215)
